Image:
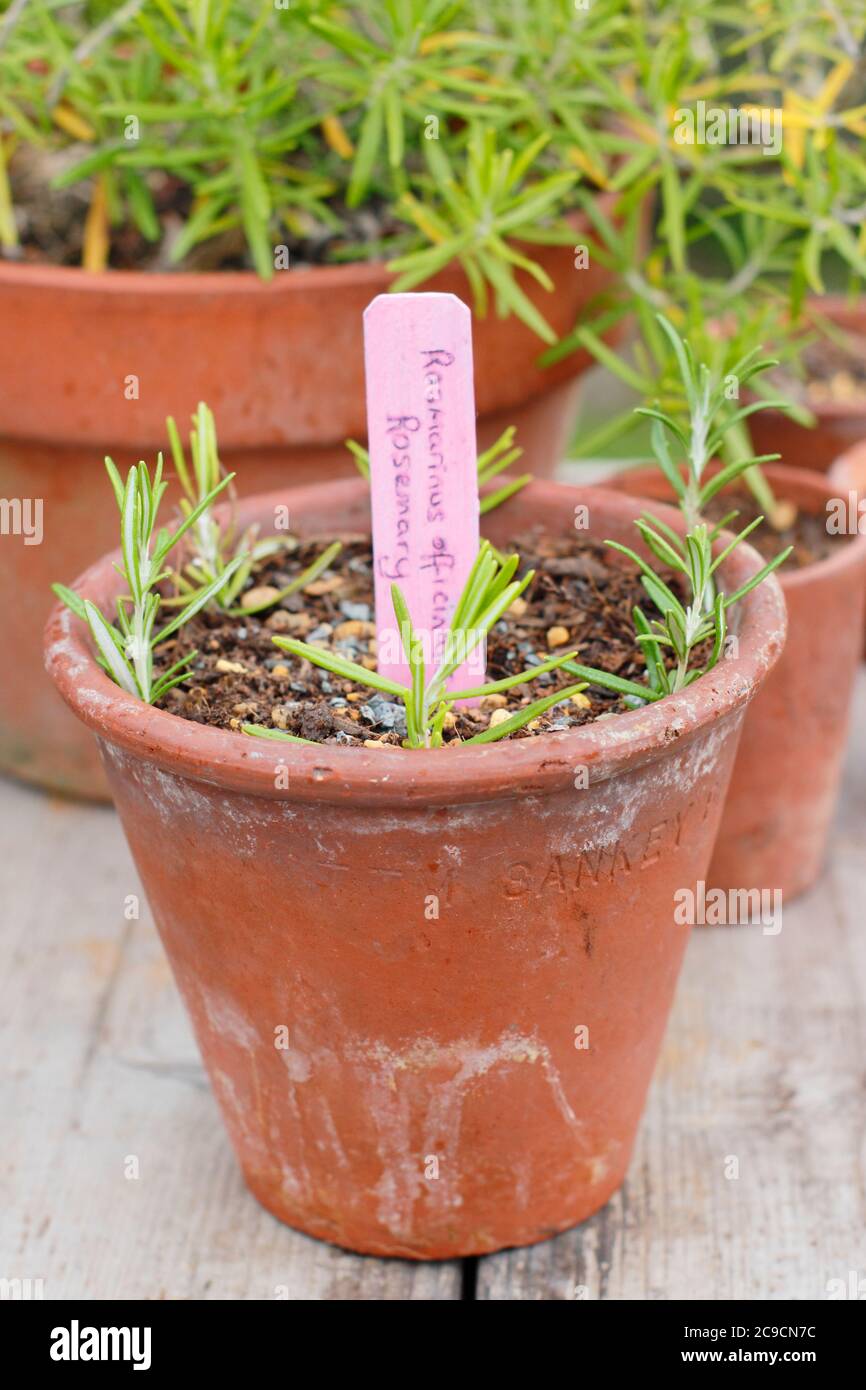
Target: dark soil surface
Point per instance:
(833, 373)
(240, 676)
(836, 373)
(51, 227)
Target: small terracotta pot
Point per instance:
(783, 792)
(839, 424)
(280, 363)
(433, 931)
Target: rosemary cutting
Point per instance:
(125, 651)
(215, 571)
(214, 548)
(686, 626)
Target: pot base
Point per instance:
(361, 1240)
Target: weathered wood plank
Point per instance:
(763, 1062)
(99, 1066)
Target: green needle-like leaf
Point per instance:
(279, 735)
(349, 670)
(526, 715)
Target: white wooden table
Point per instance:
(763, 1063)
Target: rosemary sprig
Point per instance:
(125, 651)
(477, 216)
(709, 419)
(685, 627)
(214, 548)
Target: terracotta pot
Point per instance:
(839, 424)
(783, 792)
(432, 929)
(848, 475)
(281, 364)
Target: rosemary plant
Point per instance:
(266, 124)
(491, 463)
(214, 547)
(489, 590)
(125, 651)
(651, 369)
(464, 129)
(710, 418)
(685, 627)
(682, 627)
(751, 215)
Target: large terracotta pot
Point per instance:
(434, 930)
(776, 822)
(281, 365)
(838, 424)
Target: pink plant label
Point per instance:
(423, 471)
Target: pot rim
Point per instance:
(817, 487)
(42, 276)
(397, 777)
(46, 277)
